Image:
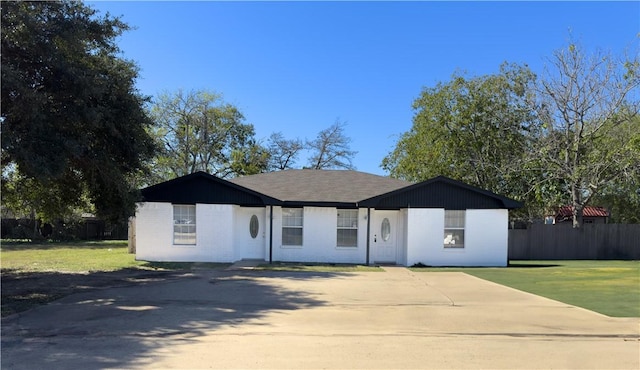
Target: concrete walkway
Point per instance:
(376, 320)
(246, 264)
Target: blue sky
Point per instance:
(296, 67)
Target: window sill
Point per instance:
(344, 247)
(291, 247)
(185, 245)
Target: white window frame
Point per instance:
(292, 219)
(184, 224)
(347, 223)
(454, 225)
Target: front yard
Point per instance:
(34, 274)
(608, 287)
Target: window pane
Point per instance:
(291, 236)
(292, 217)
(348, 218)
(454, 238)
(292, 221)
(184, 224)
(385, 229)
(254, 226)
(347, 237)
(454, 219)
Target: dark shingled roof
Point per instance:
(330, 186)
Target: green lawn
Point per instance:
(608, 287)
(78, 257)
(67, 257)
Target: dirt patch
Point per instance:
(22, 291)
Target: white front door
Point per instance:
(250, 233)
(384, 237)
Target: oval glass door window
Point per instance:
(254, 226)
(385, 229)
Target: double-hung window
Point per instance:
(454, 229)
(292, 222)
(347, 228)
(184, 224)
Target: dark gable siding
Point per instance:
(200, 189)
(439, 195)
(441, 192)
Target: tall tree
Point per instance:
(71, 117)
(250, 160)
(330, 149)
(589, 103)
(473, 129)
(283, 152)
(198, 131)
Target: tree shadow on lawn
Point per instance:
(121, 327)
(527, 264)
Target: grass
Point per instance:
(67, 257)
(80, 257)
(317, 267)
(608, 287)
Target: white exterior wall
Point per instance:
(486, 238)
(154, 231)
(424, 230)
(319, 238)
(222, 235)
(214, 234)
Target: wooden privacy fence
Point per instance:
(562, 242)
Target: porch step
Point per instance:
(248, 264)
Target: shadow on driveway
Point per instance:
(119, 327)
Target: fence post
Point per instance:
(132, 235)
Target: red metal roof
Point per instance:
(588, 211)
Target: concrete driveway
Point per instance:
(249, 319)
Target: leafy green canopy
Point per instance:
(198, 131)
(473, 129)
(72, 121)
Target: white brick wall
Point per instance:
(485, 238)
(222, 233)
(319, 238)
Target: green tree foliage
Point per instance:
(619, 151)
(72, 120)
(198, 131)
(589, 105)
(476, 130)
(330, 149)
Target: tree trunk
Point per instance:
(36, 232)
(577, 208)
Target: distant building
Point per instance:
(590, 215)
